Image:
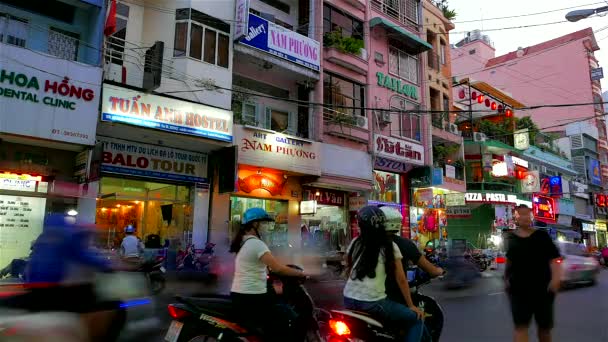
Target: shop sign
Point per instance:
(241, 19)
(579, 190)
(166, 114)
(521, 139)
(551, 186)
(564, 220)
(281, 42)
(15, 182)
(593, 170)
(543, 207)
(392, 165)
(520, 162)
(455, 200)
(399, 150)
(277, 151)
(597, 74)
(450, 171)
(531, 182)
(20, 225)
(437, 176)
(325, 197)
(61, 105)
(274, 185)
(423, 198)
(356, 202)
(601, 226)
(588, 227)
(600, 200)
(308, 207)
(397, 86)
(477, 197)
(458, 212)
(125, 157)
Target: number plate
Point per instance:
(162, 269)
(174, 330)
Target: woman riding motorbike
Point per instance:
(371, 257)
(249, 292)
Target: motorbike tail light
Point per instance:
(339, 328)
(176, 312)
(501, 260)
(559, 260)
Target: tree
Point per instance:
(526, 122)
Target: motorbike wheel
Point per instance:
(157, 284)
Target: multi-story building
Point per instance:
(50, 86)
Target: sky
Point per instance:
(506, 40)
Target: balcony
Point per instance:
(433, 61)
(604, 171)
(346, 60)
(354, 128)
(444, 132)
(491, 186)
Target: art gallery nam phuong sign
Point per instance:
(166, 114)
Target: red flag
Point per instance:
(110, 27)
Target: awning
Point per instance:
(341, 183)
(412, 40)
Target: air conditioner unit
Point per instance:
(479, 137)
(385, 117)
(454, 129)
(361, 121)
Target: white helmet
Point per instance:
(394, 219)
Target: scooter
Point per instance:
(212, 317)
(350, 326)
(155, 274)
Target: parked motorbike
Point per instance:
(155, 274)
(350, 326)
(212, 317)
(193, 265)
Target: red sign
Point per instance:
(325, 197)
(400, 150)
(544, 208)
(600, 200)
(260, 181)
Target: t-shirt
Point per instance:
(410, 252)
(131, 246)
(249, 271)
(529, 269)
(370, 289)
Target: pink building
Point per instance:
(557, 71)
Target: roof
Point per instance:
(496, 93)
(586, 33)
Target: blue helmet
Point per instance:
(255, 214)
(130, 229)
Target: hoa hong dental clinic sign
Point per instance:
(125, 157)
(396, 154)
(398, 86)
(60, 105)
(283, 43)
(495, 198)
(165, 114)
(277, 151)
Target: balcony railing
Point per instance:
(433, 61)
(404, 11)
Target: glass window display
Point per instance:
(276, 234)
(327, 230)
(386, 187)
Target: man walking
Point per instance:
(532, 277)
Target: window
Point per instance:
(279, 120)
(250, 114)
(208, 39)
(338, 92)
(336, 20)
(405, 11)
(271, 18)
(442, 53)
(402, 64)
(281, 6)
(116, 42)
(13, 30)
(409, 122)
(63, 44)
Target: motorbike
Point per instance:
(350, 326)
(212, 317)
(194, 265)
(155, 274)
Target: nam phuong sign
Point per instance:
(398, 150)
(496, 198)
(283, 43)
(128, 158)
(60, 105)
(277, 151)
(165, 114)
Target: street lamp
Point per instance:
(577, 15)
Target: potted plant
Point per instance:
(344, 44)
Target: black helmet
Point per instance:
(371, 218)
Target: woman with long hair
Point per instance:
(370, 258)
(249, 286)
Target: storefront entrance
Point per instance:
(158, 211)
(276, 236)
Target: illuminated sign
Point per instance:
(476, 197)
(15, 182)
(308, 207)
(588, 227)
(544, 207)
(274, 185)
(600, 200)
(520, 162)
(500, 169)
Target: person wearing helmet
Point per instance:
(408, 250)
(131, 246)
(371, 258)
(249, 286)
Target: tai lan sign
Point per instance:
(398, 86)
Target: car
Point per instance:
(577, 265)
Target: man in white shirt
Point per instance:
(131, 246)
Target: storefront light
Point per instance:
(72, 212)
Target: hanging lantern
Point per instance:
(493, 106)
(487, 102)
(500, 108)
(461, 94)
(474, 95)
(509, 113)
(480, 99)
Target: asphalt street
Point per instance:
(477, 313)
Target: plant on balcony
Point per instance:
(526, 122)
(442, 152)
(443, 5)
(344, 44)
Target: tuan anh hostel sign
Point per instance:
(125, 157)
(269, 149)
(281, 42)
(398, 151)
(61, 104)
(165, 114)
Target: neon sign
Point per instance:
(544, 208)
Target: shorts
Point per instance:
(523, 307)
